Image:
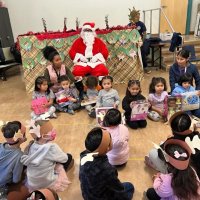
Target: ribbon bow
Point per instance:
(33, 128)
(178, 155)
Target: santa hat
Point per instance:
(89, 25)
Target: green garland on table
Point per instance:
(28, 63)
(40, 44)
(40, 59)
(26, 43)
(58, 43)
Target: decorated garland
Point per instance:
(71, 39)
(40, 59)
(62, 55)
(28, 63)
(58, 43)
(134, 35)
(40, 44)
(112, 38)
(26, 43)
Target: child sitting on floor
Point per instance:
(185, 85)
(42, 91)
(10, 154)
(107, 97)
(133, 94)
(92, 90)
(181, 128)
(45, 161)
(181, 181)
(158, 99)
(67, 98)
(119, 154)
(99, 179)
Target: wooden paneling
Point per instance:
(176, 11)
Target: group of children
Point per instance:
(106, 146)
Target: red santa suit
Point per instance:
(89, 58)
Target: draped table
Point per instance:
(123, 62)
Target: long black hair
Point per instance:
(184, 182)
(181, 123)
(49, 53)
(185, 78)
(129, 96)
(155, 81)
(184, 53)
(113, 117)
(38, 81)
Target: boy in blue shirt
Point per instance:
(10, 154)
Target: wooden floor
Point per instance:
(72, 130)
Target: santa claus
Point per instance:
(89, 53)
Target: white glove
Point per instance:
(94, 59)
(83, 58)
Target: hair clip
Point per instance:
(178, 155)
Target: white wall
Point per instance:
(25, 15)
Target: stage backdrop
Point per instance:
(123, 62)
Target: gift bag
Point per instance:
(38, 105)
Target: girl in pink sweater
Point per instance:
(119, 154)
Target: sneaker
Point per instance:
(92, 114)
(70, 111)
(147, 71)
(45, 116)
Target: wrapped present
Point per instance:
(139, 110)
(100, 114)
(174, 104)
(38, 105)
(62, 98)
(190, 101)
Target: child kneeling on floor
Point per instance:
(99, 179)
(119, 154)
(46, 162)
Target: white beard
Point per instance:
(88, 38)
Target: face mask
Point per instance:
(50, 135)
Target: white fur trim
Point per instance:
(88, 27)
(100, 57)
(88, 51)
(77, 57)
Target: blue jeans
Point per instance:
(129, 189)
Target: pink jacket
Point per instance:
(163, 188)
(120, 150)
